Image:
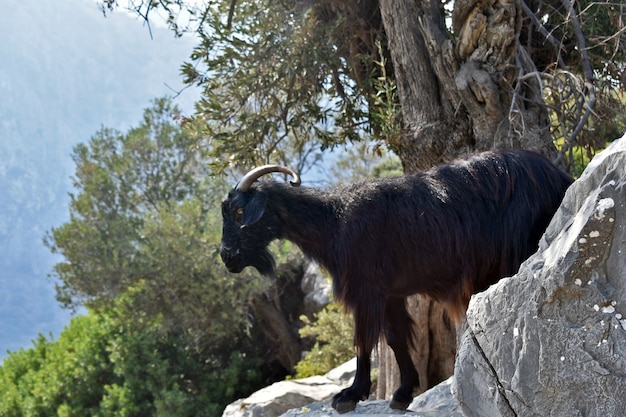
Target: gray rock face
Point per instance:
(282, 396)
(317, 288)
(312, 397)
(436, 402)
(379, 408)
(551, 341)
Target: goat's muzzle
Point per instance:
(231, 259)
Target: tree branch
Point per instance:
(542, 29)
(587, 70)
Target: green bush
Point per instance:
(101, 367)
(332, 330)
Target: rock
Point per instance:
(343, 375)
(312, 397)
(436, 402)
(282, 396)
(363, 409)
(317, 288)
(552, 339)
(276, 399)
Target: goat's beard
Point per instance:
(264, 263)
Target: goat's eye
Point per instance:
(238, 214)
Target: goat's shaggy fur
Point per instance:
(447, 232)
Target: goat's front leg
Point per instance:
(347, 399)
(367, 329)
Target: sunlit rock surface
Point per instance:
(311, 397)
(552, 339)
(283, 396)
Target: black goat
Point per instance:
(448, 232)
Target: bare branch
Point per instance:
(587, 70)
(542, 29)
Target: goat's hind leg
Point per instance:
(398, 333)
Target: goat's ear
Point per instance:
(254, 210)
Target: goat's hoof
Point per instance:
(399, 405)
(401, 399)
(344, 406)
(344, 401)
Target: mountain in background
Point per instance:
(65, 72)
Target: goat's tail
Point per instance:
(368, 326)
(456, 312)
(457, 299)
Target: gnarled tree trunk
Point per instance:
(456, 98)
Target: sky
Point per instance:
(65, 72)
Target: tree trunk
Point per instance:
(476, 94)
(279, 332)
(433, 352)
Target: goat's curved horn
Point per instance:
(253, 175)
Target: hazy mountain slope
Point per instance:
(65, 71)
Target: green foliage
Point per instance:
(600, 20)
(567, 105)
(102, 367)
(332, 331)
(170, 331)
(119, 178)
(338, 85)
(185, 282)
(257, 104)
(359, 161)
(583, 73)
(146, 223)
(385, 110)
(389, 167)
(578, 157)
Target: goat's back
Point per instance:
(447, 232)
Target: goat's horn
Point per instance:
(253, 175)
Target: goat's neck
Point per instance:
(309, 220)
